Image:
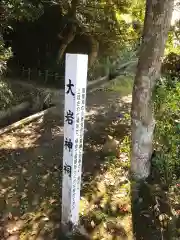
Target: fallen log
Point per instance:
(93, 85)
(25, 120)
(127, 64)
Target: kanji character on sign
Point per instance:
(69, 117)
(70, 85)
(67, 169)
(68, 144)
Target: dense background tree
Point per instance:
(14, 11)
(102, 28)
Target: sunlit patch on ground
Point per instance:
(106, 204)
(30, 175)
(30, 184)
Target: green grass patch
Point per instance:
(122, 84)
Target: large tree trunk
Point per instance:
(66, 41)
(156, 26)
(71, 29)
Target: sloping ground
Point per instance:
(30, 167)
(30, 178)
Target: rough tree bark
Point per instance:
(156, 25)
(69, 37)
(94, 50)
(66, 41)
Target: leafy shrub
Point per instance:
(167, 131)
(6, 95)
(124, 61)
(173, 43)
(4, 56)
(171, 65)
(115, 65)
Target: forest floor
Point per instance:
(30, 167)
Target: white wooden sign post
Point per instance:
(74, 111)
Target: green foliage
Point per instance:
(124, 62)
(18, 10)
(12, 94)
(126, 59)
(109, 22)
(173, 43)
(123, 85)
(4, 56)
(113, 65)
(100, 68)
(138, 10)
(171, 65)
(115, 24)
(6, 95)
(15, 10)
(170, 46)
(167, 131)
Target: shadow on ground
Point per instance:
(30, 183)
(155, 207)
(30, 179)
(30, 166)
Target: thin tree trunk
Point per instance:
(66, 41)
(94, 50)
(156, 26)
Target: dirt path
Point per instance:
(30, 169)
